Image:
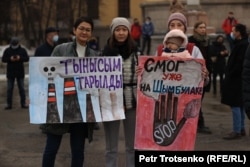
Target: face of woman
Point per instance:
(83, 33)
(121, 33)
(220, 40)
(176, 24)
(201, 29)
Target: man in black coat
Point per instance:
(246, 82)
(232, 84)
(51, 39)
(15, 56)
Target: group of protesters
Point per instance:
(234, 88)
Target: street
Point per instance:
(22, 143)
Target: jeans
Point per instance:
(112, 137)
(230, 41)
(10, 85)
(238, 119)
(77, 142)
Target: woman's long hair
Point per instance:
(130, 43)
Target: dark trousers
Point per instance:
(77, 142)
(111, 129)
(201, 122)
(10, 87)
(221, 75)
(138, 42)
(146, 41)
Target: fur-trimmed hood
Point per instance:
(176, 33)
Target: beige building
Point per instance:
(110, 9)
(211, 11)
(29, 18)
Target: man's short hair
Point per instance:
(51, 29)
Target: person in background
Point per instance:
(147, 32)
(136, 31)
(232, 84)
(83, 28)
(219, 53)
(51, 39)
(227, 26)
(71, 36)
(121, 43)
(201, 40)
(93, 43)
(15, 56)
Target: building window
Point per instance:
(123, 8)
(93, 9)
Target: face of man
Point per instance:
(136, 21)
(230, 15)
(236, 34)
(51, 37)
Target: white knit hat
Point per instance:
(119, 21)
(176, 33)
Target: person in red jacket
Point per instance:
(227, 26)
(136, 31)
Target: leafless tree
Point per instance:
(5, 20)
(29, 18)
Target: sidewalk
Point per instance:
(22, 143)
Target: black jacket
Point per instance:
(246, 82)
(44, 50)
(15, 69)
(205, 51)
(232, 84)
(220, 60)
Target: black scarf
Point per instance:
(121, 49)
(202, 39)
